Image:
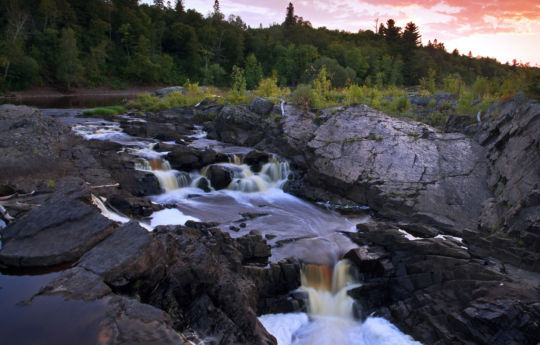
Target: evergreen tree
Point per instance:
(290, 19)
(179, 7)
(69, 68)
(217, 11)
(411, 35)
(392, 32)
(159, 4)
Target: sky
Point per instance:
(500, 29)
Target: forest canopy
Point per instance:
(118, 42)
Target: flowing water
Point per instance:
(330, 318)
(293, 227)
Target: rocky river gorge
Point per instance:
(245, 225)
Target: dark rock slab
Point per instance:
(59, 231)
(129, 254)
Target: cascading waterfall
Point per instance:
(272, 175)
(330, 311)
(327, 289)
(162, 170)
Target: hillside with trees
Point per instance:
(90, 43)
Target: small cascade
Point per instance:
(162, 170)
(327, 289)
(272, 175)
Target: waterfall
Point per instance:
(162, 170)
(327, 289)
(330, 320)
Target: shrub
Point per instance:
(303, 96)
(401, 103)
(454, 84)
(465, 103)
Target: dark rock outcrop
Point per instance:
(34, 150)
(60, 231)
(220, 176)
(261, 106)
(436, 291)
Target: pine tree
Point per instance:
(217, 11)
(392, 32)
(411, 35)
(179, 7)
(290, 19)
(70, 68)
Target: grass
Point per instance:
(114, 110)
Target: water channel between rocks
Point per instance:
(255, 201)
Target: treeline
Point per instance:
(116, 42)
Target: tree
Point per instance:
(69, 68)
(217, 11)
(290, 19)
(411, 35)
(159, 4)
(179, 7)
(392, 32)
(254, 72)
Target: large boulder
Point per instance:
(400, 168)
(261, 106)
(220, 176)
(206, 286)
(34, 149)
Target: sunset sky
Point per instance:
(505, 30)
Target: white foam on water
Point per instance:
(452, 238)
(108, 213)
(409, 236)
(295, 329)
(169, 216)
(284, 326)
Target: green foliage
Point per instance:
(254, 72)
(481, 87)
(118, 42)
(238, 90)
(428, 83)
(70, 69)
(114, 110)
(454, 84)
(268, 88)
(465, 104)
(303, 96)
(401, 104)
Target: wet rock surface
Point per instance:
(439, 293)
(59, 231)
(175, 283)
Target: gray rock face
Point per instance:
(399, 168)
(58, 232)
(32, 146)
(168, 90)
(432, 288)
(130, 253)
(261, 106)
(513, 146)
